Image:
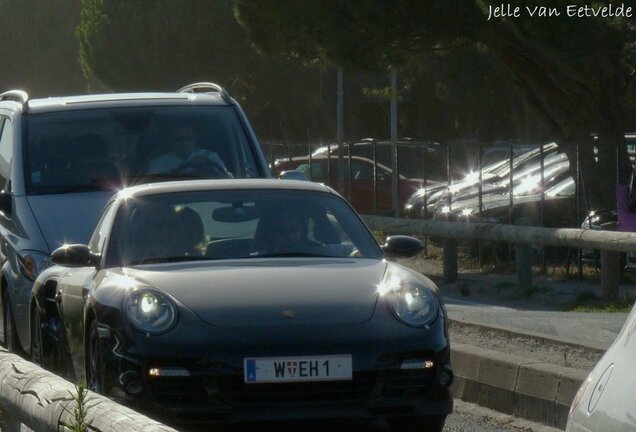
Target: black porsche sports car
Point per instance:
(227, 300)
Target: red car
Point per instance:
(358, 180)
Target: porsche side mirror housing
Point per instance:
(74, 255)
(401, 246)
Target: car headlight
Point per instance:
(32, 263)
(412, 299)
(150, 311)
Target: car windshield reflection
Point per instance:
(238, 224)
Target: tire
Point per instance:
(95, 361)
(10, 336)
(417, 423)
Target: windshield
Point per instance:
(232, 224)
(74, 151)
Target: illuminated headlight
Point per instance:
(33, 263)
(412, 299)
(150, 311)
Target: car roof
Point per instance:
(229, 184)
(112, 100)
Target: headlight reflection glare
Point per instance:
(150, 311)
(413, 302)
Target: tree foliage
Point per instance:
(39, 50)
(154, 43)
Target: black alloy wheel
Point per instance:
(94, 361)
(10, 337)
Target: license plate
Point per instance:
(297, 369)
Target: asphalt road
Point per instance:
(465, 418)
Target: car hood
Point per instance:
(67, 218)
(255, 292)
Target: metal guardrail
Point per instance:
(610, 243)
(45, 402)
(616, 241)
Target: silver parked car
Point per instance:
(62, 158)
(604, 401)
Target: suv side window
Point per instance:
(6, 151)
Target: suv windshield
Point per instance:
(108, 148)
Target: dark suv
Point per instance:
(62, 158)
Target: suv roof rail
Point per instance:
(15, 95)
(205, 87)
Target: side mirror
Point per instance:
(74, 255)
(5, 203)
(401, 246)
(293, 175)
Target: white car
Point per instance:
(605, 400)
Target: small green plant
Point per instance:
(526, 291)
(504, 285)
(80, 421)
(588, 301)
(586, 297)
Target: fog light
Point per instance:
(446, 375)
(417, 364)
(169, 372)
(444, 379)
(134, 387)
(130, 381)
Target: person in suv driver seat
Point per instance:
(186, 158)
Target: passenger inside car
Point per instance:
(190, 230)
(282, 232)
(185, 157)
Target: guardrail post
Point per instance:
(524, 265)
(523, 255)
(610, 269)
(450, 260)
(610, 274)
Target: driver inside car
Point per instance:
(186, 158)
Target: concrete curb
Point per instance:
(536, 391)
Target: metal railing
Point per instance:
(610, 243)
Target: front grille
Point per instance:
(178, 391)
(235, 391)
(183, 392)
(405, 384)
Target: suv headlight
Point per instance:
(412, 299)
(150, 311)
(32, 263)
